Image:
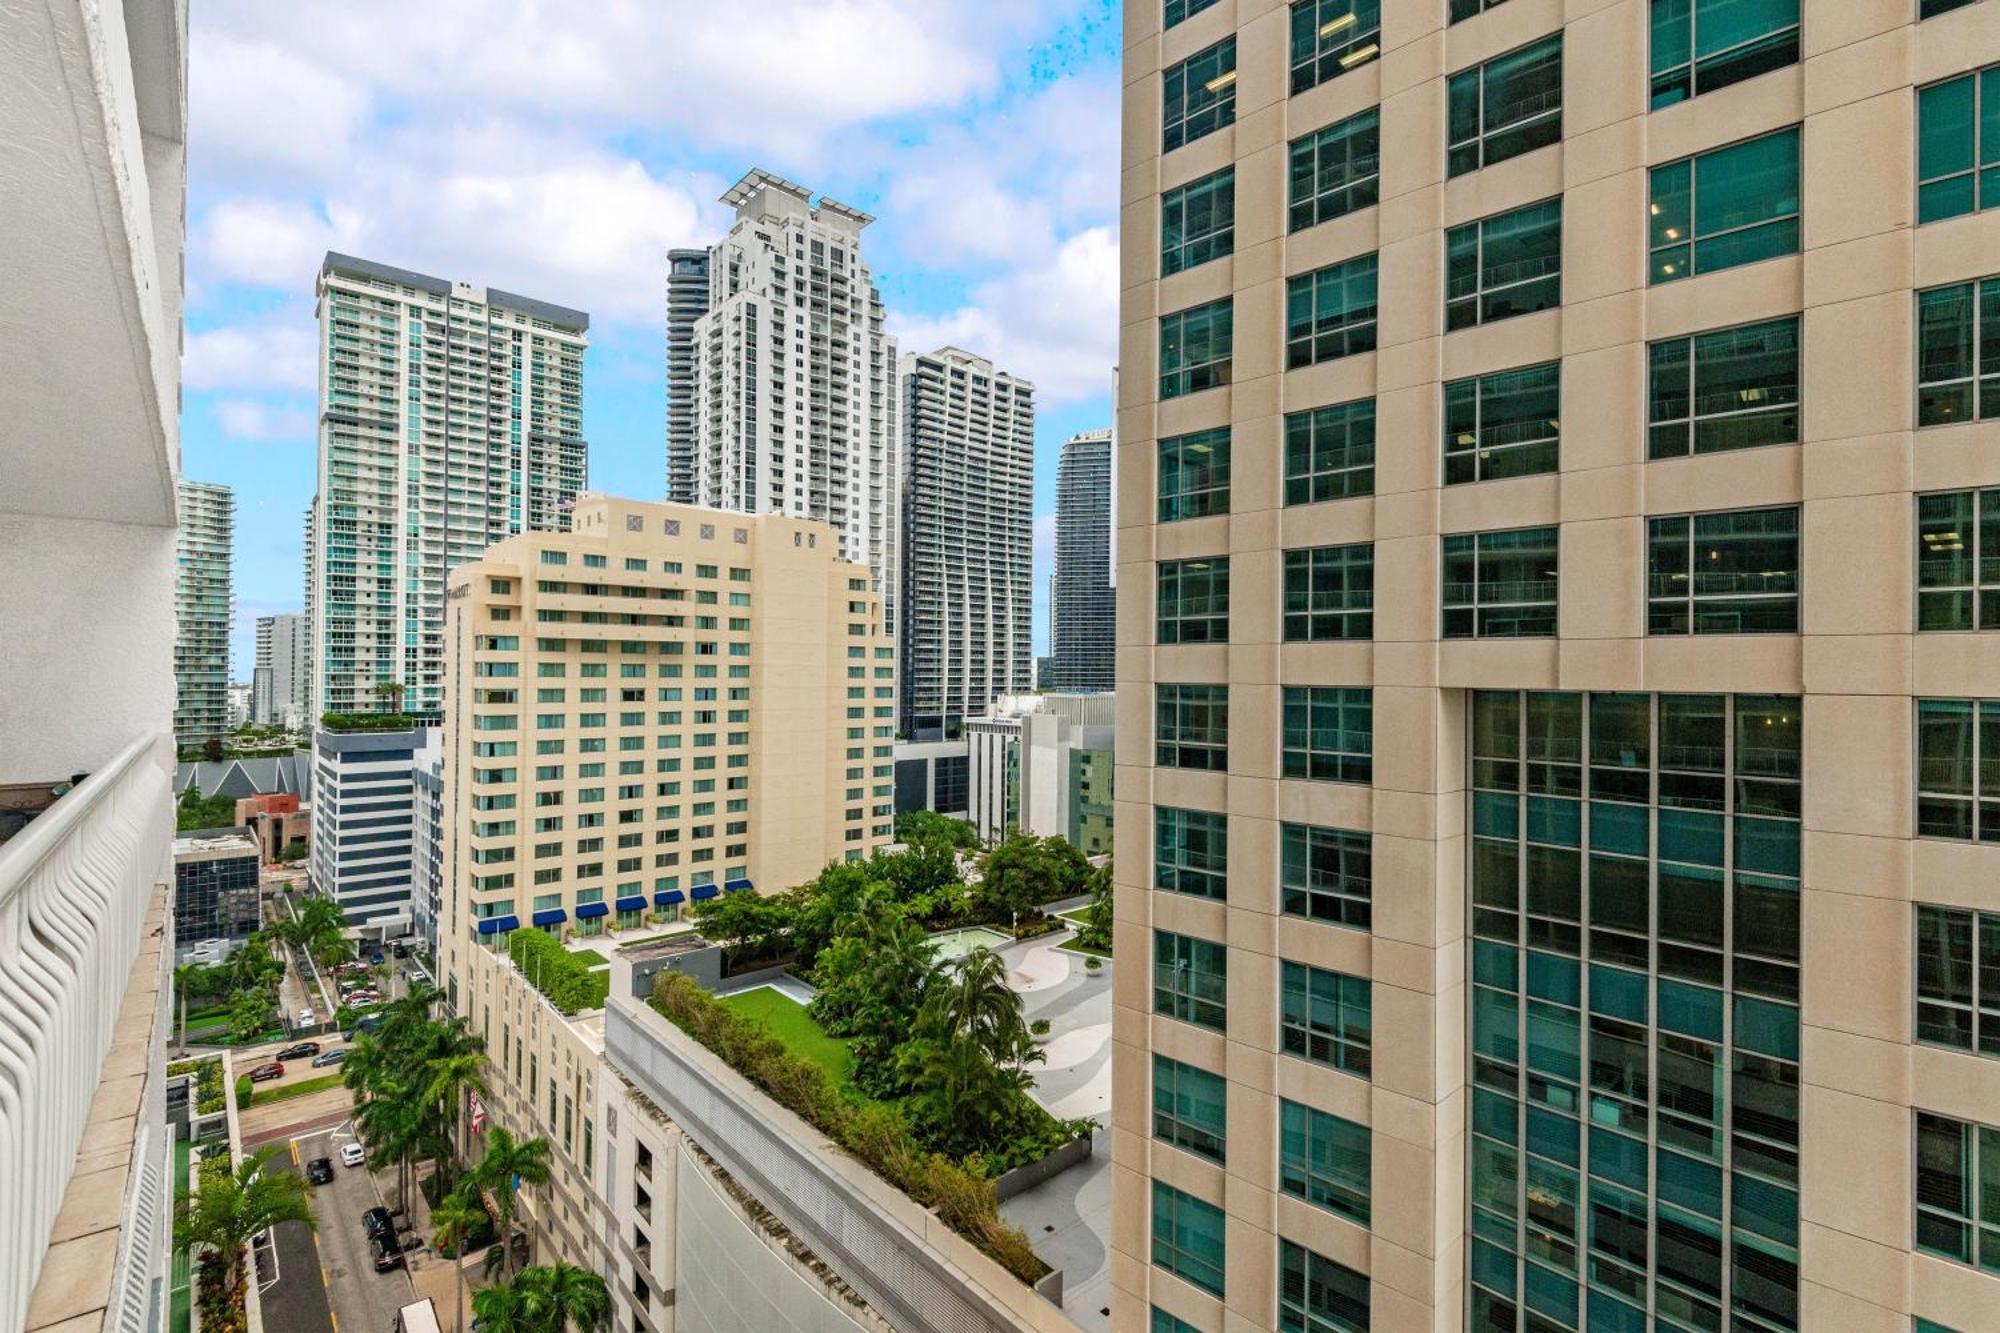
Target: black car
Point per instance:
(377, 1223)
(319, 1170)
(304, 1050)
(387, 1255)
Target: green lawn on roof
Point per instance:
(591, 957)
(787, 1020)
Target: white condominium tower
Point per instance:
(278, 683)
(795, 381)
(204, 609)
(450, 417)
(968, 540)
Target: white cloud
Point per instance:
(253, 419)
(270, 243)
(272, 352)
(266, 110)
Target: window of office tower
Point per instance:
(1733, 205)
(1634, 869)
(1698, 48)
(1330, 37)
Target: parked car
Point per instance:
(307, 1018)
(377, 1222)
(332, 1057)
(352, 1154)
(401, 950)
(264, 1073)
(388, 1255)
(300, 1051)
(319, 1170)
(375, 959)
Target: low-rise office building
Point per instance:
(1041, 764)
(217, 887)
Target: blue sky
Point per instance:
(559, 149)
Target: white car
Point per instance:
(351, 1154)
(306, 1018)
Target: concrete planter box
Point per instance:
(1030, 1174)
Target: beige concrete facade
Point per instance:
(1854, 474)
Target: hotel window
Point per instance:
(1198, 222)
(1958, 146)
(1506, 265)
(1167, 1323)
(1190, 979)
(1330, 37)
(1330, 593)
(1958, 769)
(1730, 389)
(1330, 452)
(1317, 1295)
(1194, 600)
(1336, 171)
(1194, 475)
(1330, 313)
(1508, 106)
(1461, 10)
(1958, 1190)
(1958, 979)
(1187, 1237)
(1726, 207)
(1191, 725)
(1500, 585)
(1179, 11)
(1195, 347)
(1327, 733)
(1507, 424)
(1324, 1160)
(1698, 48)
(1325, 875)
(1191, 852)
(1958, 560)
(1190, 1108)
(1735, 572)
(1200, 95)
(1958, 353)
(1325, 1017)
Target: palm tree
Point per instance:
(508, 1164)
(975, 1001)
(504, 1308)
(457, 1218)
(455, 1072)
(391, 692)
(564, 1296)
(367, 1067)
(393, 1125)
(226, 1211)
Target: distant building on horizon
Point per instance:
(687, 302)
(204, 609)
(1041, 764)
(278, 683)
(1082, 607)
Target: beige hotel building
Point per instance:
(1559, 752)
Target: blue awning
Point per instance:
(553, 916)
(668, 897)
(705, 891)
(584, 911)
(735, 884)
(495, 925)
(634, 904)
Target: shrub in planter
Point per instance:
(1092, 963)
(243, 1092)
(1039, 1028)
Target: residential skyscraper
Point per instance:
(1550, 614)
(968, 540)
(795, 380)
(450, 417)
(687, 302)
(1081, 602)
(278, 689)
(204, 611)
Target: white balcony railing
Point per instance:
(74, 890)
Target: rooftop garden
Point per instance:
(367, 721)
(566, 978)
(207, 1093)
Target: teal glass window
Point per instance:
(1735, 572)
(1191, 726)
(1180, 11)
(1919, 1324)
(1461, 10)
(1958, 145)
(1194, 600)
(1958, 353)
(1958, 979)
(1328, 733)
(1958, 560)
(1326, 1017)
(1330, 37)
(1958, 1190)
(1506, 265)
(1700, 47)
(1195, 348)
(1510, 105)
(1330, 313)
(1167, 1323)
(1958, 769)
(1326, 875)
(1194, 475)
(1324, 1160)
(1198, 222)
(1190, 979)
(1191, 852)
(1507, 424)
(1330, 452)
(1734, 388)
(1317, 1295)
(1500, 585)
(1188, 1237)
(1190, 1108)
(1200, 95)
(1337, 170)
(1930, 9)
(1330, 593)
(1730, 206)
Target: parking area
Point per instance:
(360, 1297)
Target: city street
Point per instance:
(361, 1298)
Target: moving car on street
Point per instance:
(332, 1057)
(264, 1073)
(319, 1170)
(301, 1051)
(352, 1154)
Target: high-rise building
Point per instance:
(450, 417)
(1081, 601)
(687, 302)
(968, 468)
(93, 161)
(278, 689)
(795, 381)
(1563, 913)
(364, 815)
(204, 611)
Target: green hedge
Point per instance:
(244, 1088)
(559, 974)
